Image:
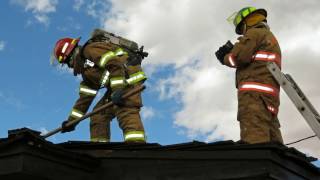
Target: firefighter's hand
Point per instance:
(66, 128)
(223, 50)
(116, 97)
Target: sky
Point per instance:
(189, 95)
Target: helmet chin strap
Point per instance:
(244, 28)
(265, 24)
(72, 58)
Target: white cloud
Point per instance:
(78, 4)
(41, 18)
(147, 112)
(97, 8)
(71, 23)
(185, 34)
(39, 8)
(2, 45)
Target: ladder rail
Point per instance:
(298, 98)
(301, 94)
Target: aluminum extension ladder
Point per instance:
(298, 98)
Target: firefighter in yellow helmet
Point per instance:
(111, 62)
(258, 92)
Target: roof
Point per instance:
(26, 154)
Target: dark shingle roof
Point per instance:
(26, 154)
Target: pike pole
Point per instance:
(109, 104)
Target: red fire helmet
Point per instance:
(64, 47)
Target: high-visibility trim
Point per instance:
(267, 56)
(134, 136)
(74, 41)
(231, 60)
(60, 58)
(136, 77)
(109, 55)
(64, 48)
(272, 109)
(87, 91)
(120, 52)
(117, 82)
(242, 14)
(105, 78)
(76, 113)
(99, 139)
(253, 86)
(105, 58)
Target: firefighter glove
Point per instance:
(116, 97)
(69, 128)
(223, 50)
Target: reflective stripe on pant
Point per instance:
(128, 118)
(257, 123)
(134, 136)
(104, 140)
(130, 123)
(76, 114)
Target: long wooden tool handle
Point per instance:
(109, 104)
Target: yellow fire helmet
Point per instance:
(238, 17)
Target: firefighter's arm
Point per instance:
(242, 52)
(86, 96)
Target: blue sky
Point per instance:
(39, 96)
(190, 96)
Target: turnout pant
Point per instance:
(257, 123)
(127, 116)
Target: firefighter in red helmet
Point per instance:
(258, 91)
(105, 61)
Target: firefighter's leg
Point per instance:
(275, 131)
(100, 123)
(274, 124)
(254, 118)
(130, 123)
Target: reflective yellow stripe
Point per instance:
(136, 77)
(245, 13)
(251, 9)
(134, 136)
(106, 57)
(120, 52)
(87, 91)
(117, 82)
(74, 41)
(99, 139)
(60, 58)
(109, 55)
(238, 19)
(242, 14)
(76, 113)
